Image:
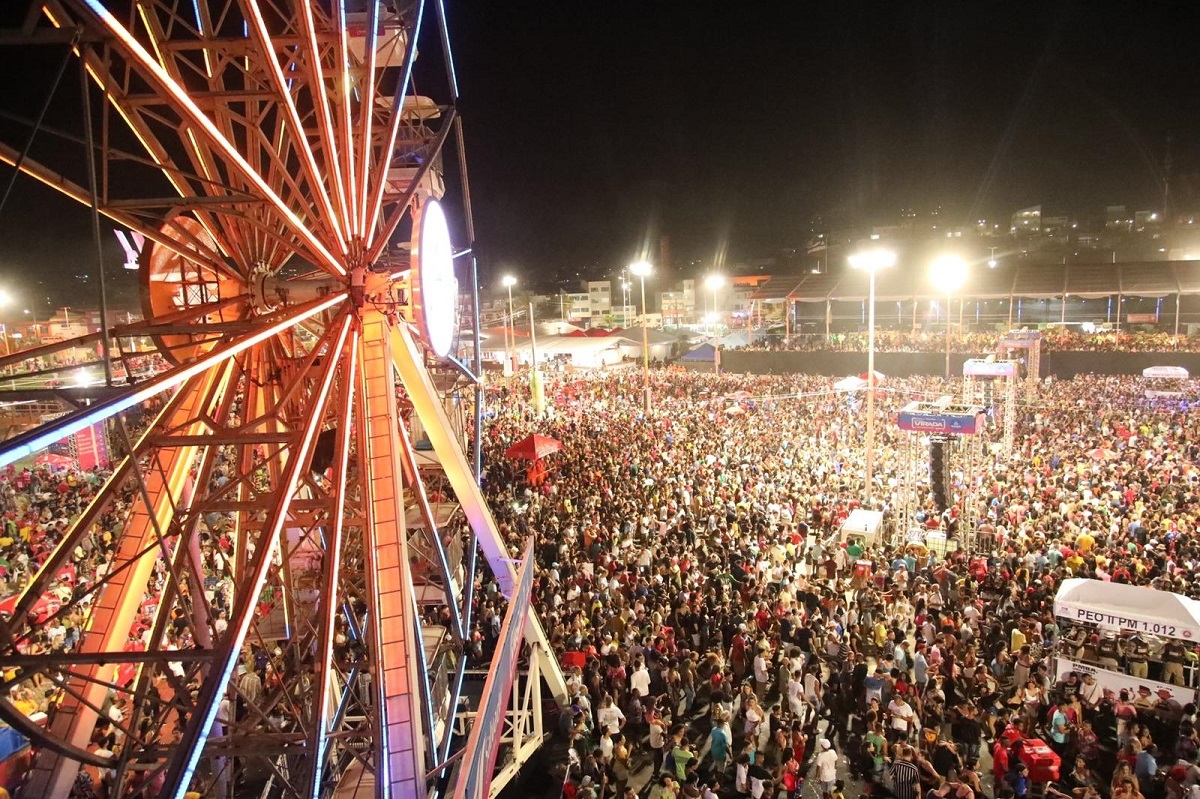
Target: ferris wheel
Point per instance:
(292, 495)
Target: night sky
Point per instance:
(732, 125)
(592, 129)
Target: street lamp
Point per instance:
(509, 281)
(871, 261)
(641, 269)
(949, 273)
(712, 283)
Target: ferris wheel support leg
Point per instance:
(437, 425)
(113, 615)
(399, 745)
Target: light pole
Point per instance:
(509, 281)
(871, 261)
(949, 273)
(641, 269)
(712, 283)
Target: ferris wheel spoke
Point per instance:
(182, 769)
(202, 127)
(318, 90)
(343, 92)
(121, 215)
(375, 193)
(29, 443)
(366, 113)
(324, 709)
(258, 26)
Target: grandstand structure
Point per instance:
(1007, 281)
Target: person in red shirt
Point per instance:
(763, 617)
(737, 655)
(999, 762)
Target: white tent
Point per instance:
(1166, 372)
(1118, 606)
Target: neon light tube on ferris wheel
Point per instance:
(22, 447)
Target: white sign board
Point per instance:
(1114, 682)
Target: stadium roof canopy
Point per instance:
(1149, 279)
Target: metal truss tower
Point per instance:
(295, 488)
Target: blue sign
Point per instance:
(479, 758)
(956, 423)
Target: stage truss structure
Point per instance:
(963, 457)
(294, 489)
(980, 377)
(1029, 342)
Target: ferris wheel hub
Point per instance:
(270, 292)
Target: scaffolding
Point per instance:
(959, 426)
(1029, 341)
(980, 376)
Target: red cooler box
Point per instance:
(1042, 761)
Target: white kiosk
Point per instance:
(862, 526)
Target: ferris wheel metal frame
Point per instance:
(309, 424)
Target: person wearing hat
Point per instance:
(1168, 709)
(1138, 652)
(1109, 651)
(826, 765)
(1174, 656)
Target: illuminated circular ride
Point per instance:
(293, 498)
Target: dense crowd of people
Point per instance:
(720, 638)
(934, 340)
(716, 631)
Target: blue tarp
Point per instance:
(11, 742)
(702, 353)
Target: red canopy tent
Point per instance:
(533, 448)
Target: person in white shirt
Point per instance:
(795, 695)
(901, 716)
(762, 672)
(826, 766)
(640, 679)
(609, 717)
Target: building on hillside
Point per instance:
(1027, 221)
(599, 296)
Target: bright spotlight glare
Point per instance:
(873, 260)
(949, 272)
